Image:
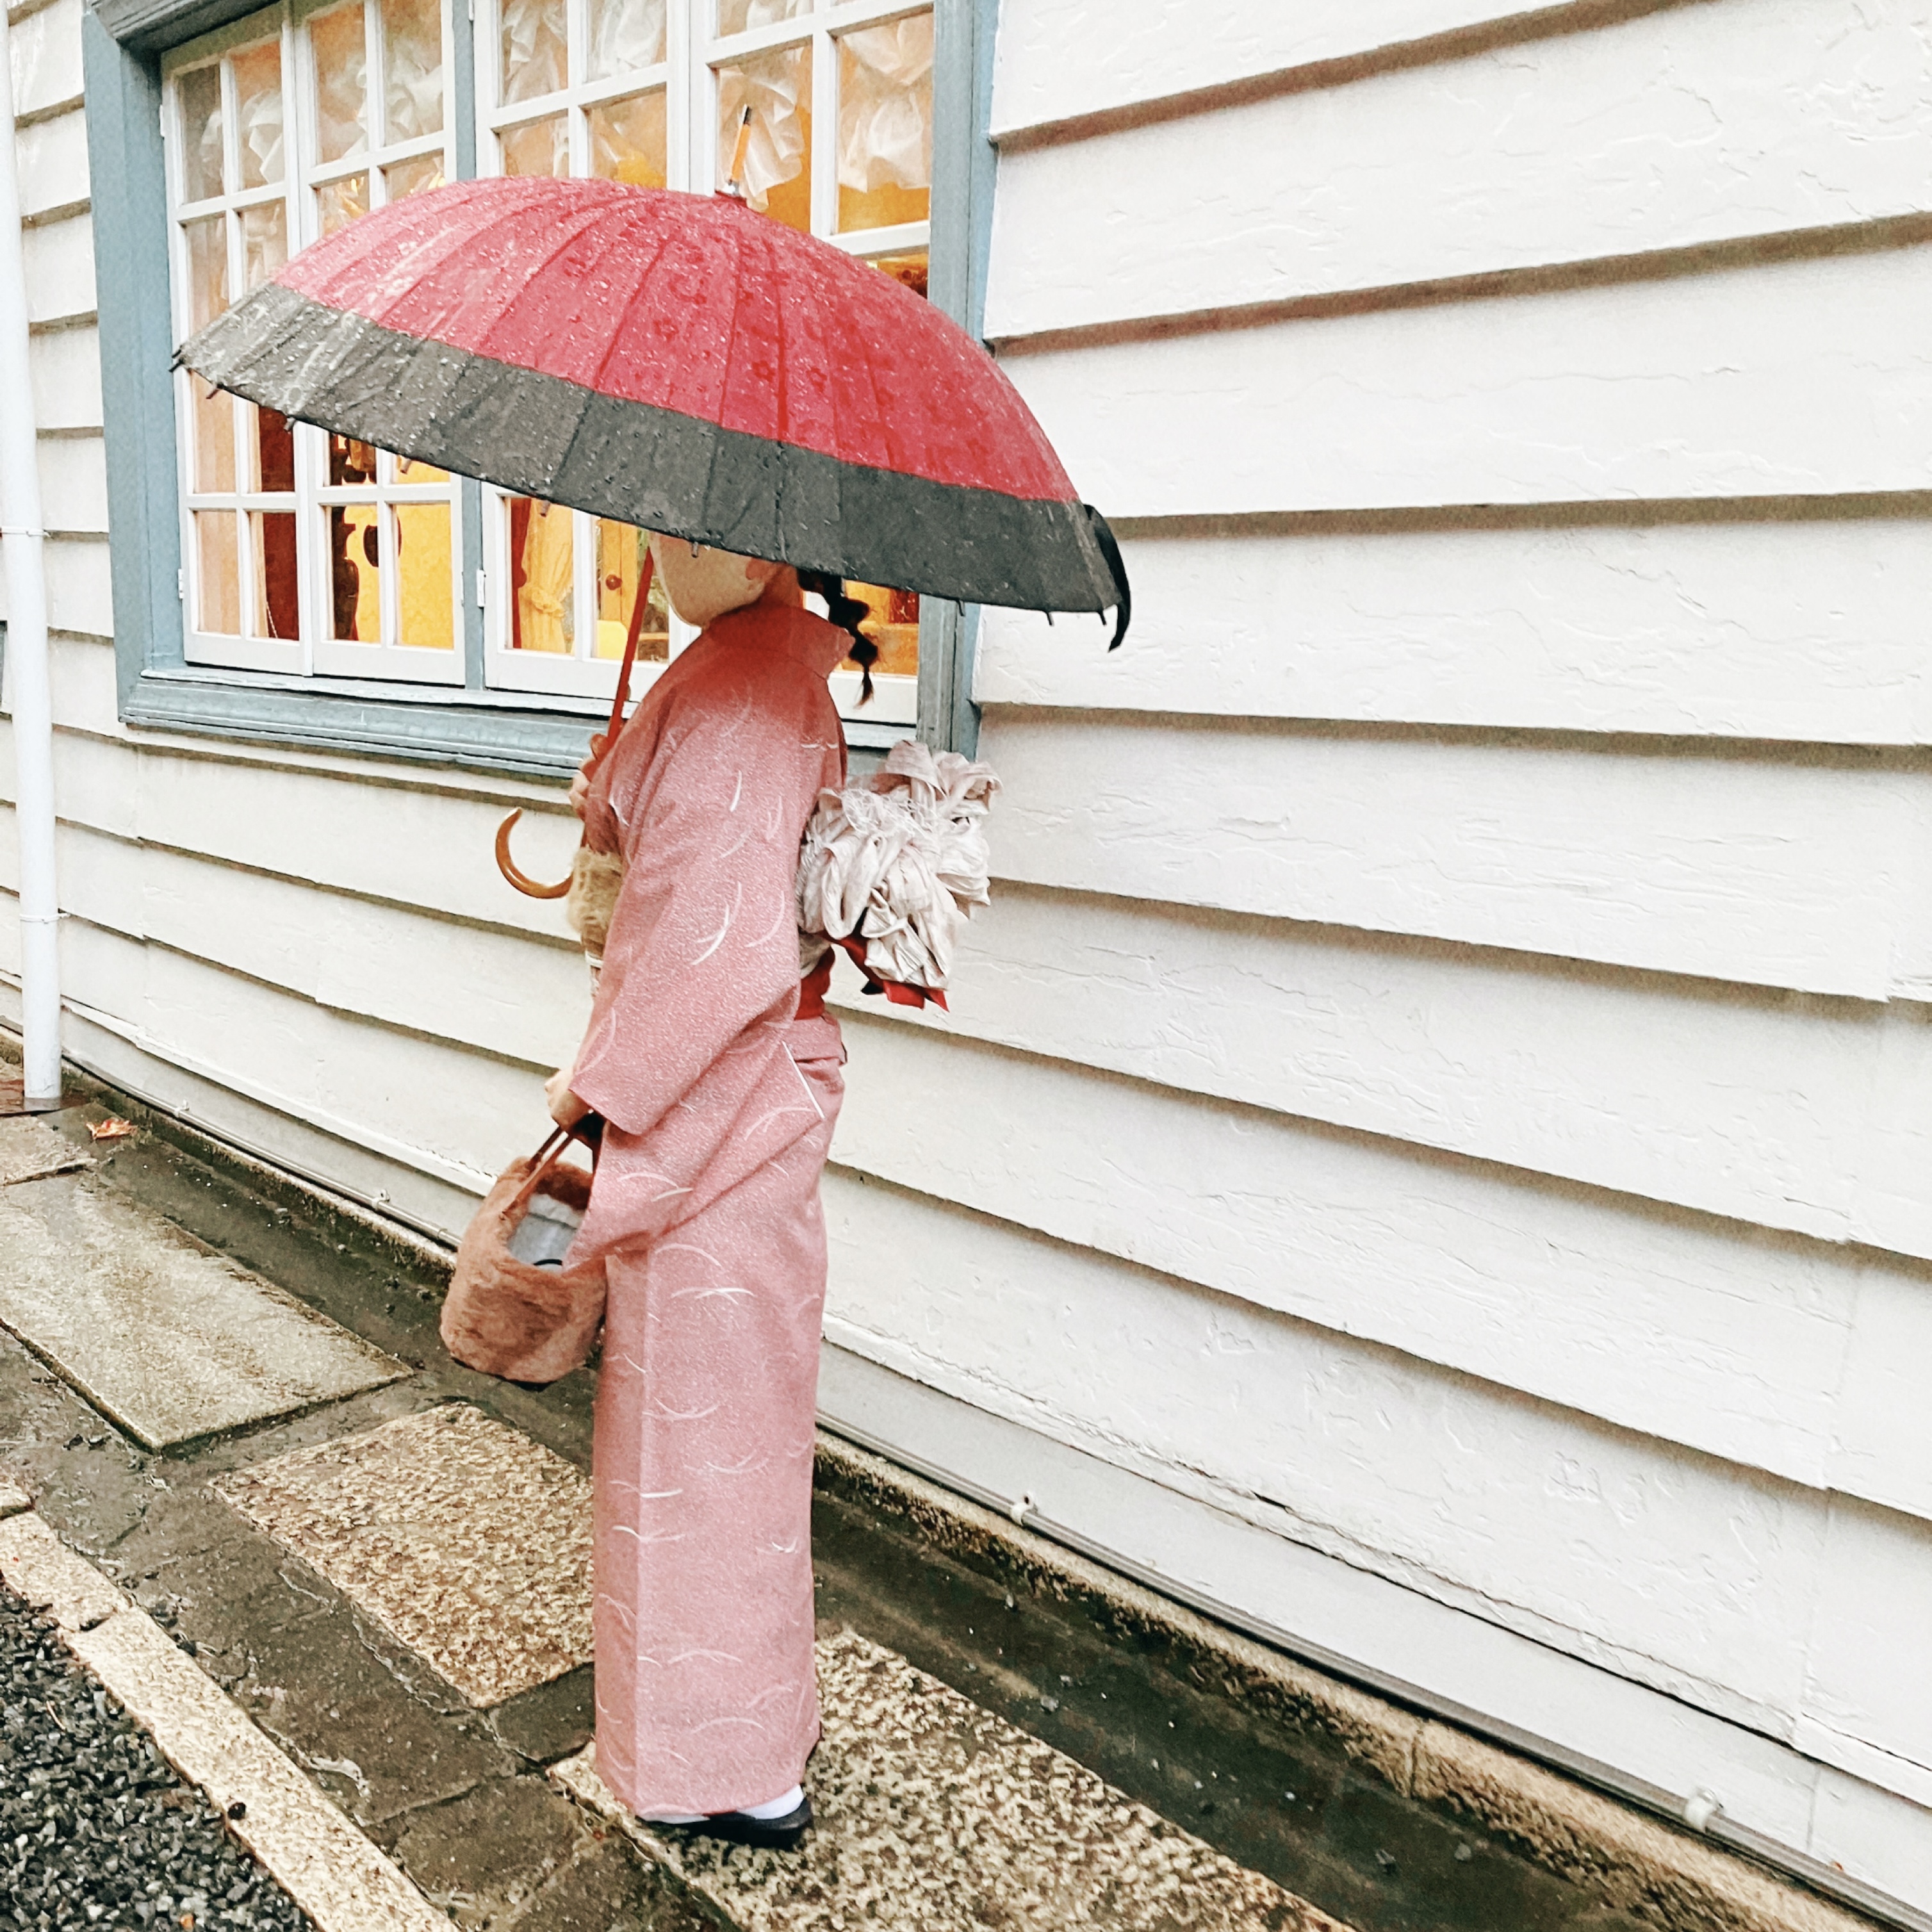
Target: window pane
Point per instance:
(339, 202)
(735, 17)
(273, 451)
(409, 471)
(777, 88)
(355, 574)
(411, 68)
(264, 241)
(909, 268)
(274, 610)
(537, 148)
(542, 617)
(200, 97)
(218, 572)
(628, 139)
(214, 438)
(350, 462)
(409, 178)
(207, 268)
(533, 59)
(341, 53)
(258, 114)
(885, 125)
(621, 551)
(893, 626)
(423, 576)
(625, 35)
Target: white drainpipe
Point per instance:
(23, 549)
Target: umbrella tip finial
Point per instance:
(1123, 595)
(734, 181)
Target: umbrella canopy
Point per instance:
(679, 362)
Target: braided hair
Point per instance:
(846, 613)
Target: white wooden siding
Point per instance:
(1688, 1575)
(459, 984)
(1693, 126)
(1778, 869)
(52, 161)
(59, 257)
(1810, 628)
(1778, 1355)
(45, 45)
(1058, 60)
(73, 474)
(80, 591)
(1764, 1107)
(1744, 381)
(67, 378)
(1442, 1089)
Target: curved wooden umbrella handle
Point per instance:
(600, 743)
(507, 866)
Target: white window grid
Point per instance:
(687, 76)
(302, 192)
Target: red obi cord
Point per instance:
(811, 990)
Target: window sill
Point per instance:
(486, 733)
(497, 731)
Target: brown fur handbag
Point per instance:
(505, 1317)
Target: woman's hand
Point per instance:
(565, 1109)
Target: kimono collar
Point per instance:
(820, 646)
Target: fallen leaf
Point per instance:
(112, 1129)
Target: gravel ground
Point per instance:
(96, 1830)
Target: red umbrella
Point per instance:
(676, 361)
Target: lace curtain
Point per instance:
(625, 35)
(885, 106)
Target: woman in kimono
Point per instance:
(716, 1069)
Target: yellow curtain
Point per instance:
(546, 561)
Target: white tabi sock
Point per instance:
(780, 1807)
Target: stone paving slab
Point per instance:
(30, 1149)
(466, 1541)
(934, 1815)
(172, 1342)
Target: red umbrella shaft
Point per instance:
(630, 658)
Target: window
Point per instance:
(314, 555)
(304, 552)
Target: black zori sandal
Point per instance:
(740, 1828)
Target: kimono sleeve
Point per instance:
(702, 961)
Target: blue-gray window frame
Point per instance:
(123, 41)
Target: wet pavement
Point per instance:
(454, 1736)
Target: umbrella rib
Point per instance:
(646, 270)
(724, 386)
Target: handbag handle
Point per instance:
(589, 1130)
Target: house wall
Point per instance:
(1431, 1146)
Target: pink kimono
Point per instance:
(719, 1093)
